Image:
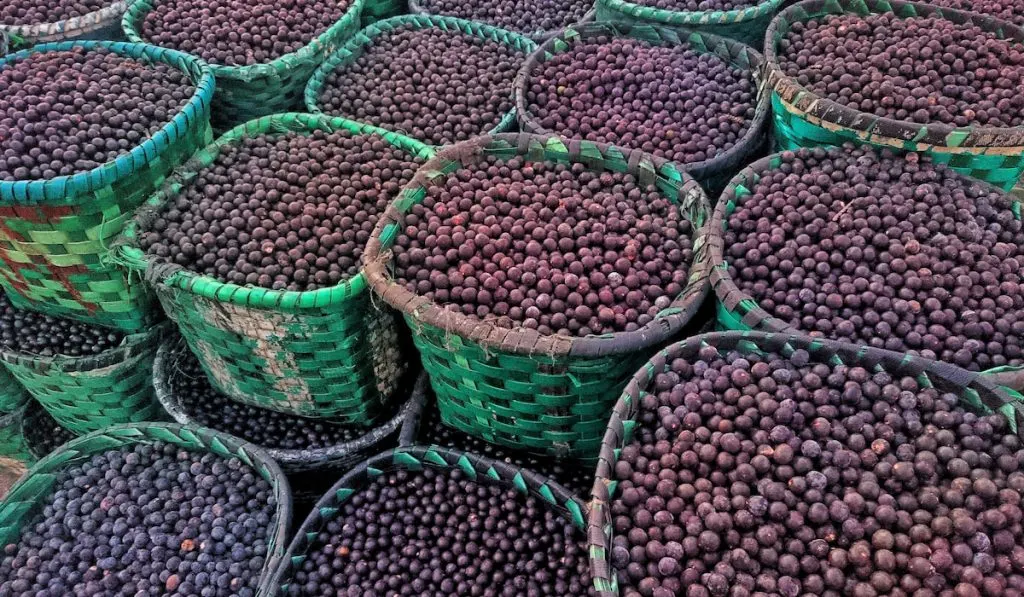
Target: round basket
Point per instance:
(35, 424)
(26, 498)
(747, 25)
(378, 10)
(12, 395)
(737, 310)
(335, 458)
(416, 7)
(362, 40)
(804, 119)
(248, 92)
(100, 24)
(972, 388)
(414, 458)
(84, 394)
(55, 234)
(713, 173)
(328, 353)
(15, 454)
(519, 388)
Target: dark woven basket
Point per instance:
(102, 24)
(712, 173)
(520, 388)
(416, 7)
(745, 24)
(477, 468)
(37, 420)
(737, 310)
(972, 388)
(804, 119)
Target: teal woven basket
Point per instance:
(12, 395)
(101, 24)
(378, 10)
(747, 25)
(15, 456)
(804, 119)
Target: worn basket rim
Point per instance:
(133, 344)
(422, 311)
(693, 17)
(66, 189)
(805, 100)
(416, 7)
(90, 21)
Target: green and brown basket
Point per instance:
(805, 119)
(248, 92)
(55, 234)
(362, 40)
(517, 387)
(101, 24)
(737, 310)
(746, 25)
(327, 353)
(973, 389)
(714, 172)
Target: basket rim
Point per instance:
(169, 350)
(694, 17)
(743, 145)
(66, 189)
(352, 49)
(628, 406)
(126, 252)
(88, 22)
(138, 9)
(132, 345)
(792, 93)
(521, 340)
(417, 8)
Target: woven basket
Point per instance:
(12, 395)
(248, 92)
(328, 353)
(972, 388)
(416, 7)
(414, 458)
(746, 24)
(54, 234)
(15, 455)
(355, 47)
(519, 388)
(84, 394)
(803, 119)
(713, 173)
(737, 310)
(378, 10)
(34, 418)
(101, 24)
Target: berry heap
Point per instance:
(525, 16)
(29, 332)
(545, 246)
(34, 12)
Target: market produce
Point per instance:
(1008, 10)
(546, 246)
(889, 252)
(755, 473)
(286, 212)
(70, 111)
(438, 533)
(919, 69)
(436, 85)
(671, 101)
(524, 16)
(42, 433)
(232, 33)
(698, 5)
(150, 519)
(33, 12)
(30, 332)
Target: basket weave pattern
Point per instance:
(746, 25)
(15, 456)
(89, 25)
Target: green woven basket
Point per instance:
(713, 173)
(737, 310)
(355, 47)
(54, 234)
(415, 458)
(517, 387)
(100, 24)
(248, 92)
(378, 10)
(27, 497)
(974, 390)
(12, 395)
(328, 353)
(15, 456)
(746, 24)
(84, 394)
(416, 7)
(804, 119)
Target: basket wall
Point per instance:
(97, 25)
(416, 7)
(747, 25)
(55, 234)
(12, 395)
(378, 10)
(15, 456)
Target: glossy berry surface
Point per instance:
(285, 212)
(43, 434)
(32, 12)
(754, 474)
(888, 252)
(434, 85)
(524, 16)
(69, 111)
(437, 533)
(147, 519)
(545, 246)
(30, 332)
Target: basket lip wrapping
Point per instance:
(878, 129)
(170, 348)
(319, 45)
(421, 311)
(733, 52)
(133, 345)
(620, 424)
(126, 251)
(416, 7)
(364, 38)
(52, 30)
(695, 18)
(479, 468)
(67, 189)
